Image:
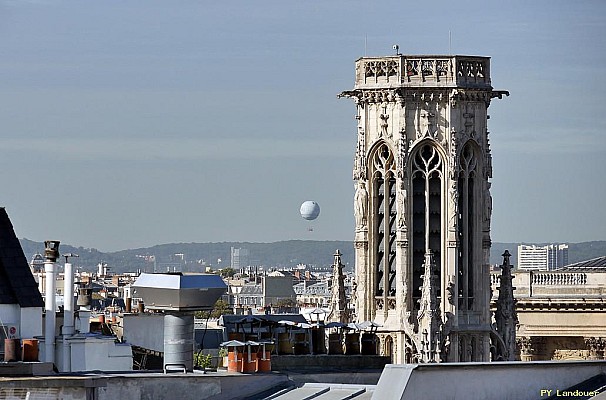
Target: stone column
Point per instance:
(400, 343)
(531, 348)
(402, 276)
(364, 298)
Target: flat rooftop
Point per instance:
(469, 381)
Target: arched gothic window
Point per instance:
(467, 225)
(384, 220)
(427, 175)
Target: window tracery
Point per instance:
(427, 175)
(467, 224)
(384, 220)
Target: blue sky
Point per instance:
(132, 123)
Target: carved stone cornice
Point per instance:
(461, 94)
(400, 95)
(534, 304)
(372, 96)
(425, 95)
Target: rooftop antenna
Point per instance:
(365, 44)
(68, 255)
(449, 42)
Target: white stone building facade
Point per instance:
(562, 314)
(542, 258)
(423, 206)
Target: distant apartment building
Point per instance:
(542, 258)
(314, 294)
(240, 258)
(272, 290)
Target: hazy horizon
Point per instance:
(277, 241)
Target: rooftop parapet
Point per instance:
(423, 71)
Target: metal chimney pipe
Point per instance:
(68, 296)
(68, 311)
(51, 253)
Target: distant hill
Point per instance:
(196, 256)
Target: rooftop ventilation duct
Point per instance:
(178, 292)
(178, 296)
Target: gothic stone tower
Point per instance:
(423, 206)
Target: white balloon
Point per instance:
(310, 210)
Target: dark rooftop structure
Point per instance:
(17, 284)
(251, 290)
(597, 264)
(232, 321)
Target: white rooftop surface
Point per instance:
(327, 391)
(481, 381)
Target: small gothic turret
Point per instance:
(506, 316)
(430, 322)
(338, 305)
